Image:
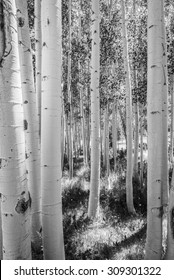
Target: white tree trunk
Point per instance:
(129, 187)
(38, 57)
(170, 228)
(165, 182)
(141, 146)
(62, 136)
(53, 244)
(155, 129)
(70, 115)
(95, 113)
(114, 134)
(16, 201)
(32, 152)
(172, 121)
(2, 46)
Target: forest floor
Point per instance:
(114, 235)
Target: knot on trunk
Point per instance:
(23, 204)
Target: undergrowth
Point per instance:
(114, 234)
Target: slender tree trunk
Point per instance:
(62, 136)
(170, 227)
(106, 141)
(172, 116)
(53, 244)
(82, 115)
(136, 140)
(38, 57)
(129, 187)
(95, 113)
(31, 120)
(155, 130)
(114, 134)
(141, 146)
(67, 135)
(135, 105)
(122, 117)
(70, 116)
(2, 47)
(165, 182)
(16, 200)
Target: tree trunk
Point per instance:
(114, 134)
(2, 46)
(62, 137)
(136, 140)
(31, 120)
(141, 146)
(155, 130)
(38, 57)
(16, 200)
(70, 116)
(129, 187)
(95, 113)
(53, 244)
(172, 122)
(165, 182)
(170, 228)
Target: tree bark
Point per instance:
(38, 57)
(155, 118)
(16, 200)
(32, 153)
(53, 244)
(70, 115)
(95, 113)
(114, 134)
(129, 187)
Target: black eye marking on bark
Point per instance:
(48, 21)
(23, 205)
(21, 22)
(44, 44)
(25, 125)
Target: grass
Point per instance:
(114, 234)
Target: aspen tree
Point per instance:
(32, 152)
(170, 229)
(135, 104)
(53, 244)
(165, 183)
(136, 136)
(2, 46)
(38, 54)
(69, 111)
(172, 114)
(82, 115)
(129, 187)
(62, 136)
(114, 133)
(95, 113)
(155, 129)
(141, 146)
(16, 201)
(106, 141)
